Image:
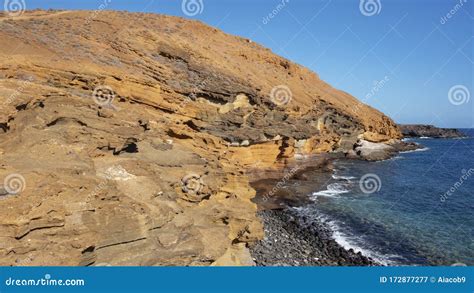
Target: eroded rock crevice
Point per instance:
(158, 174)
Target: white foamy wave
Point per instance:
(347, 178)
(390, 159)
(348, 242)
(417, 150)
(425, 137)
(333, 189)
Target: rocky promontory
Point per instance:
(130, 138)
(418, 130)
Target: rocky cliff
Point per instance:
(417, 130)
(125, 139)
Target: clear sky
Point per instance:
(411, 59)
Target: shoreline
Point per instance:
(291, 239)
(294, 238)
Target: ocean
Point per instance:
(414, 209)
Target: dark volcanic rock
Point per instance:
(430, 131)
(291, 240)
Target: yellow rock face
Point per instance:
(128, 136)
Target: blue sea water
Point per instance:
(415, 209)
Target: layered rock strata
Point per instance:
(126, 138)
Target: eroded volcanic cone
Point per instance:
(128, 136)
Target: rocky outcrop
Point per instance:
(371, 151)
(430, 131)
(129, 137)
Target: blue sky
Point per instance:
(403, 60)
